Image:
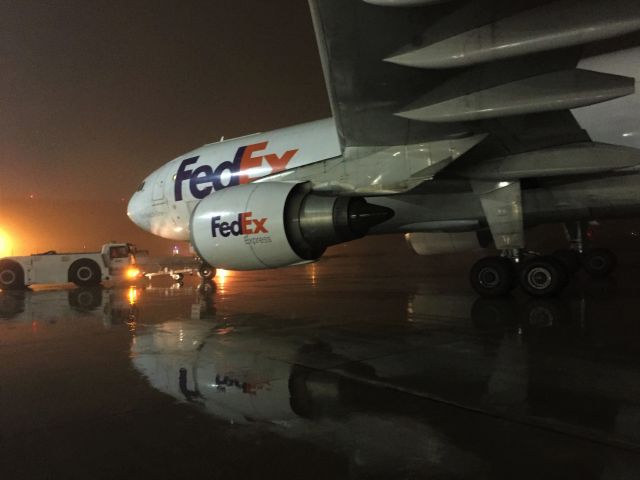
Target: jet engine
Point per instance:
(276, 224)
(438, 243)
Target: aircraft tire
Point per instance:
(492, 276)
(85, 273)
(543, 276)
(206, 272)
(11, 275)
(599, 262)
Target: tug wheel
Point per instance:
(85, 273)
(11, 275)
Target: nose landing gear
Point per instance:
(206, 272)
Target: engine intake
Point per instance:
(276, 224)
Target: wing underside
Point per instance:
(431, 71)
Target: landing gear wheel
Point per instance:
(492, 276)
(85, 273)
(11, 276)
(206, 272)
(570, 259)
(599, 262)
(543, 276)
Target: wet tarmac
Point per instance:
(360, 366)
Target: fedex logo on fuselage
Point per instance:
(205, 179)
(244, 225)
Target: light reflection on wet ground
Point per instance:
(357, 366)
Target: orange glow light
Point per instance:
(133, 273)
(6, 246)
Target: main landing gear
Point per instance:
(538, 276)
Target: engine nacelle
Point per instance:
(438, 243)
(276, 224)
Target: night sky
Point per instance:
(94, 95)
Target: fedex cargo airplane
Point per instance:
(459, 123)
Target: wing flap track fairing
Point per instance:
(547, 27)
(542, 93)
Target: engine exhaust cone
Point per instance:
(363, 215)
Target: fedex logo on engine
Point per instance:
(244, 225)
(204, 179)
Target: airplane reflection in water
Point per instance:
(542, 363)
(567, 366)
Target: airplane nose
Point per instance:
(137, 213)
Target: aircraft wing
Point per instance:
(484, 90)
(402, 72)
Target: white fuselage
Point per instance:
(164, 202)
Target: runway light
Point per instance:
(6, 247)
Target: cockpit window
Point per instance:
(141, 187)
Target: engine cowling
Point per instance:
(439, 243)
(276, 224)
